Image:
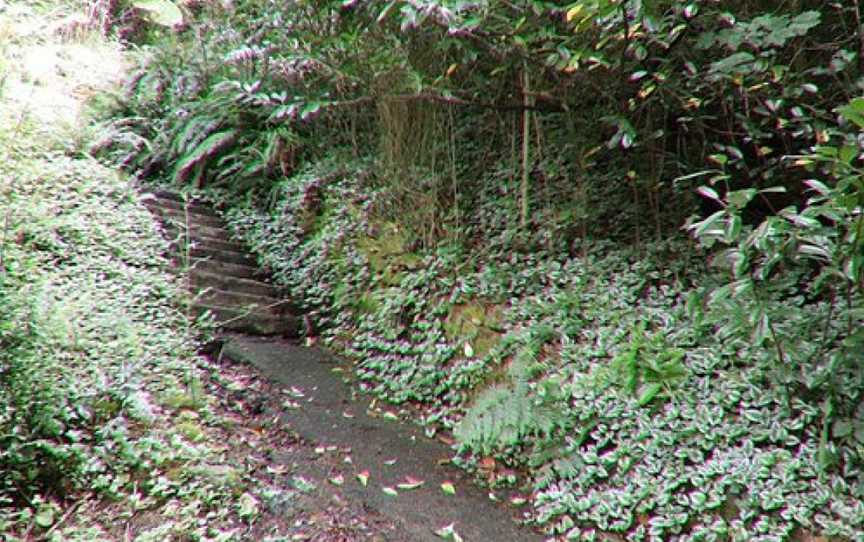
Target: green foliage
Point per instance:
(503, 417)
(92, 347)
(375, 163)
(646, 368)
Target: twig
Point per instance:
(249, 311)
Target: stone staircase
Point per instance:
(224, 279)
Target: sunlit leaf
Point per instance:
(161, 12)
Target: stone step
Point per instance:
(240, 300)
(202, 279)
(197, 231)
(179, 216)
(221, 268)
(210, 243)
(178, 221)
(198, 252)
(218, 243)
(162, 200)
(255, 322)
(222, 272)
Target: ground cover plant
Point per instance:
(613, 248)
(112, 427)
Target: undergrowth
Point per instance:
(542, 304)
(103, 417)
(608, 380)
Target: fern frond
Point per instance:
(194, 161)
(503, 416)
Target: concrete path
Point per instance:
(321, 408)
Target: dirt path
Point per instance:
(317, 407)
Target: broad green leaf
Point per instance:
(853, 112)
(699, 228)
(649, 393)
(738, 62)
(309, 109)
(813, 250)
(733, 228)
(740, 198)
(842, 428)
(709, 193)
(818, 186)
(44, 517)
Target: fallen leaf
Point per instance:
(493, 497)
(448, 488)
(319, 450)
(363, 477)
(337, 480)
(347, 414)
(277, 469)
(487, 463)
(390, 491)
(303, 484)
(448, 532)
(411, 483)
(469, 350)
(389, 415)
(391, 462)
(247, 506)
(297, 392)
(518, 501)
